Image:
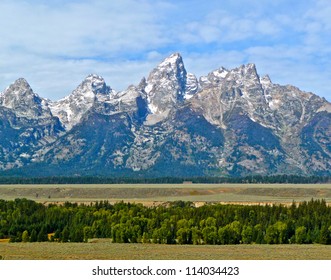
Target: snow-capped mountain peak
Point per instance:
(97, 84)
(92, 86)
(19, 89)
(172, 59)
(167, 85)
(214, 78)
(71, 109)
(244, 73)
(20, 97)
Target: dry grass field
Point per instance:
(154, 193)
(105, 250)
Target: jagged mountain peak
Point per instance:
(214, 77)
(167, 85)
(23, 83)
(94, 76)
(20, 97)
(237, 76)
(221, 72)
(246, 71)
(249, 66)
(91, 90)
(93, 84)
(244, 80)
(170, 68)
(171, 60)
(19, 87)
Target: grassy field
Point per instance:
(152, 193)
(105, 250)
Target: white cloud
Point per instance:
(222, 26)
(87, 28)
(54, 44)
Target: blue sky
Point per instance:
(55, 44)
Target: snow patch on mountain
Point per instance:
(192, 86)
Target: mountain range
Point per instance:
(231, 122)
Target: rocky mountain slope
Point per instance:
(229, 122)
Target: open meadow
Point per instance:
(150, 194)
(103, 249)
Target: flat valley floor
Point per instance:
(153, 194)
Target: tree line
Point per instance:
(257, 179)
(23, 220)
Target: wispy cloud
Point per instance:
(54, 44)
(78, 29)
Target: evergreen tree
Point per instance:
(65, 234)
(325, 235)
(42, 235)
(33, 236)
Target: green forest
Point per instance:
(178, 222)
